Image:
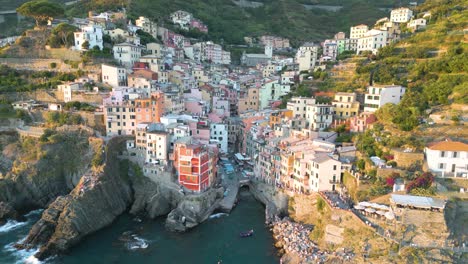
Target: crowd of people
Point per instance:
(338, 200)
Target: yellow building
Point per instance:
(345, 105)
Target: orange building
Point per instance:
(195, 165)
(149, 109)
(277, 117)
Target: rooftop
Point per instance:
(417, 201)
(448, 146)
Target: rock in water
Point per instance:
(92, 205)
(193, 210)
(7, 212)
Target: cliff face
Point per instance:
(37, 172)
(276, 203)
(153, 199)
(93, 204)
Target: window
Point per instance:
(334, 167)
(455, 154)
(442, 154)
(441, 165)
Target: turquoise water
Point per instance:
(215, 240)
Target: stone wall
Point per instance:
(406, 159)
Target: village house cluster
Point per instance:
(185, 106)
(363, 38)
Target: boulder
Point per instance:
(193, 209)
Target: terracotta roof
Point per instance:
(448, 146)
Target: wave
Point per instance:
(11, 225)
(34, 213)
(137, 243)
(23, 255)
(218, 215)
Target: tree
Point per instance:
(64, 33)
(85, 45)
(40, 10)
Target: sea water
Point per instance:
(132, 240)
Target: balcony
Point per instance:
(334, 181)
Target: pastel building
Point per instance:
(345, 105)
(362, 122)
(113, 75)
(149, 109)
(127, 53)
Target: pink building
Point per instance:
(195, 23)
(194, 107)
(362, 122)
(201, 131)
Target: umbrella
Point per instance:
(359, 207)
(365, 204)
(380, 212)
(384, 207)
(375, 205)
(390, 215)
(370, 210)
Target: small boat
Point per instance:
(247, 233)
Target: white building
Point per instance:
(401, 15)
(319, 116)
(219, 135)
(324, 173)
(209, 51)
(127, 54)
(157, 147)
(114, 76)
(448, 158)
(379, 95)
(67, 90)
(358, 31)
(299, 106)
(182, 18)
(372, 40)
(91, 34)
(306, 56)
(416, 24)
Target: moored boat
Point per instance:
(247, 233)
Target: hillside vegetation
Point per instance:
(229, 23)
(432, 64)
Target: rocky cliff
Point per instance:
(34, 173)
(276, 203)
(153, 199)
(93, 204)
